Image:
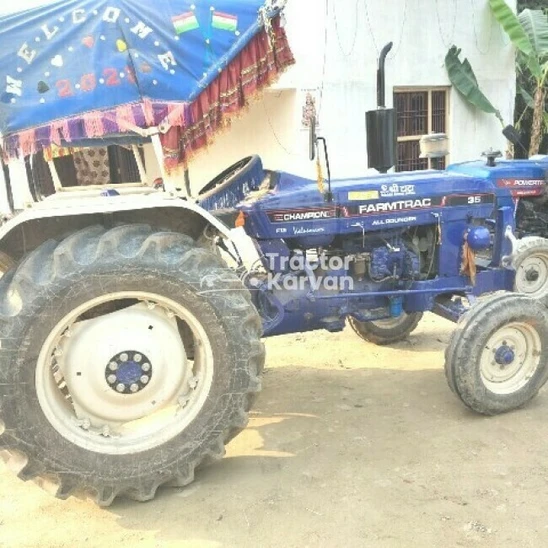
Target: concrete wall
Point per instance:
(337, 50)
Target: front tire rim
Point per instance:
(121, 382)
(510, 358)
(532, 276)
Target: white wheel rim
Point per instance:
(85, 362)
(532, 276)
(391, 323)
(510, 358)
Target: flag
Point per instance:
(185, 22)
(224, 21)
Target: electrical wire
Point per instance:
(325, 42)
(321, 89)
(371, 33)
(402, 30)
(355, 38)
(276, 137)
(486, 52)
(392, 55)
(456, 11)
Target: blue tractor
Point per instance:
(131, 318)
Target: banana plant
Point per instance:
(465, 82)
(528, 32)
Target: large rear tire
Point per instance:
(497, 359)
(97, 389)
(383, 332)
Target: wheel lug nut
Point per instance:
(145, 379)
(113, 366)
(121, 387)
(124, 357)
(112, 379)
(134, 388)
(145, 367)
(137, 357)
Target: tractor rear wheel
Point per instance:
(383, 332)
(497, 359)
(97, 389)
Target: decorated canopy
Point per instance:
(76, 70)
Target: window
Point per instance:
(419, 112)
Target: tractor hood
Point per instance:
(295, 207)
(519, 178)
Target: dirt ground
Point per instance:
(349, 445)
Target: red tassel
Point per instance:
(176, 115)
(124, 117)
(27, 142)
(93, 122)
(148, 109)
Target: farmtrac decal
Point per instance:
(523, 187)
(402, 205)
(378, 208)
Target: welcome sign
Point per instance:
(70, 58)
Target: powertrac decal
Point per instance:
(523, 187)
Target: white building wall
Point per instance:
(336, 44)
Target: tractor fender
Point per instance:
(62, 214)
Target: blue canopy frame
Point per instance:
(80, 69)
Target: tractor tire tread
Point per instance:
(55, 263)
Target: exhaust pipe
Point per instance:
(381, 124)
(381, 77)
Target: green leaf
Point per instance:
(535, 25)
(463, 78)
(512, 26)
(467, 67)
(527, 97)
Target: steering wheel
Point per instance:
(231, 174)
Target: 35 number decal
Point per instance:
(474, 200)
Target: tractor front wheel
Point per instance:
(531, 266)
(497, 359)
(383, 332)
(98, 386)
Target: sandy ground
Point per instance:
(349, 445)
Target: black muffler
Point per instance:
(381, 125)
